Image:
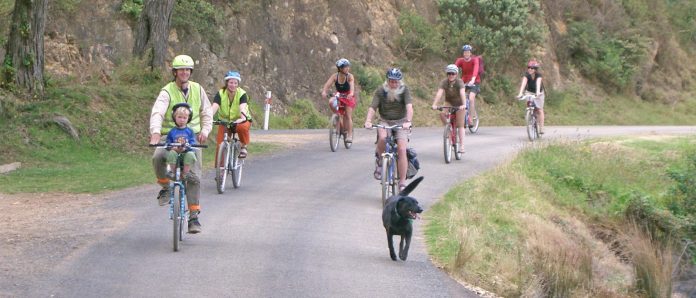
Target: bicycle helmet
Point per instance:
(452, 69)
(182, 105)
(394, 74)
(467, 47)
(233, 74)
(533, 64)
(182, 62)
(341, 63)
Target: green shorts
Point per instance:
(189, 157)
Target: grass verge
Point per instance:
(557, 221)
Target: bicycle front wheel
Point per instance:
(531, 125)
(334, 132)
(387, 180)
(221, 171)
(237, 165)
(447, 143)
(176, 218)
(475, 122)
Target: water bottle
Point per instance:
(334, 104)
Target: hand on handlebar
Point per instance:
(406, 125)
(368, 124)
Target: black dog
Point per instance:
(397, 215)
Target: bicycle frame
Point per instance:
(531, 117)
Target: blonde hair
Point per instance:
(182, 110)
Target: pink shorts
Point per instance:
(346, 100)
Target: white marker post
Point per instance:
(267, 110)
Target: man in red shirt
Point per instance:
(470, 69)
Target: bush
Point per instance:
(198, 16)
(505, 31)
(418, 36)
(132, 8)
(368, 78)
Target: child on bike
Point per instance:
(184, 135)
(453, 88)
(531, 83)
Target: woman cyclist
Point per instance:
(453, 88)
(395, 108)
(231, 103)
(345, 85)
(470, 69)
(532, 84)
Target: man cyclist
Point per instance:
(393, 100)
(453, 88)
(470, 68)
(231, 102)
(345, 85)
(181, 90)
(532, 84)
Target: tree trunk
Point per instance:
(153, 30)
(24, 58)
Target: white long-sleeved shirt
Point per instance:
(159, 110)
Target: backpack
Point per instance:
(413, 163)
(481, 70)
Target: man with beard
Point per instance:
(393, 101)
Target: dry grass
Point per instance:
(652, 263)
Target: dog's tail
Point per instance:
(411, 186)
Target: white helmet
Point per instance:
(452, 69)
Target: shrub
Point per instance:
(132, 8)
(369, 78)
(198, 16)
(505, 31)
(418, 36)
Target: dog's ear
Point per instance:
(411, 186)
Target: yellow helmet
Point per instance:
(182, 61)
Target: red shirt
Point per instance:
(469, 69)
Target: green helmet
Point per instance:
(182, 61)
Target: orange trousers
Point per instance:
(242, 133)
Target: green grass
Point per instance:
(530, 225)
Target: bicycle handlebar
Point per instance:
(399, 126)
(451, 109)
(527, 97)
(169, 145)
(228, 123)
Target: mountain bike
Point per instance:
(473, 128)
(450, 138)
(389, 159)
(228, 159)
(178, 208)
(530, 117)
(336, 129)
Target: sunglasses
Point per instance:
(534, 68)
(451, 74)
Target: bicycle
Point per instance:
(389, 158)
(336, 130)
(228, 155)
(450, 140)
(530, 117)
(177, 193)
(473, 128)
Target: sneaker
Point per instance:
(243, 152)
(163, 197)
(541, 130)
(194, 227)
(378, 170)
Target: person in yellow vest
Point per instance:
(181, 90)
(231, 105)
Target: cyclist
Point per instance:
(470, 68)
(231, 104)
(180, 90)
(453, 88)
(531, 83)
(181, 113)
(393, 100)
(344, 83)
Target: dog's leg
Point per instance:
(403, 254)
(401, 246)
(390, 242)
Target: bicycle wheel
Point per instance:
(387, 180)
(457, 153)
(531, 125)
(221, 172)
(334, 133)
(176, 217)
(237, 166)
(475, 125)
(447, 143)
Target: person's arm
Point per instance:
(462, 95)
(524, 83)
(474, 72)
(409, 115)
(351, 82)
(538, 86)
(373, 106)
(438, 95)
(159, 109)
(326, 86)
(206, 115)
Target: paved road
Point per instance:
(306, 223)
